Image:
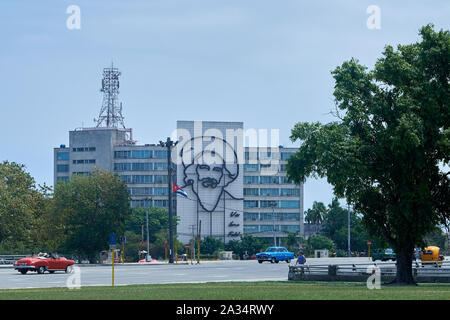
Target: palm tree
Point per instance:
(316, 215)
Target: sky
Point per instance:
(265, 63)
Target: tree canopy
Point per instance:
(387, 151)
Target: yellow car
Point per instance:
(430, 255)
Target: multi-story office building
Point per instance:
(249, 195)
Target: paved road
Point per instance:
(214, 271)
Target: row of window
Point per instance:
(258, 167)
(271, 192)
(286, 204)
(140, 154)
(146, 179)
(267, 155)
(141, 166)
(62, 156)
(270, 228)
(83, 161)
(266, 180)
(268, 216)
(83, 149)
(145, 191)
(152, 203)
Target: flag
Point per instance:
(176, 189)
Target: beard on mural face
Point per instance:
(208, 196)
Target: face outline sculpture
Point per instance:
(207, 173)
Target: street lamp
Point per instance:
(147, 256)
(169, 144)
(273, 204)
(348, 230)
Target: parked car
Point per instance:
(275, 255)
(44, 262)
(384, 255)
(431, 255)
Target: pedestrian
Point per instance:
(301, 259)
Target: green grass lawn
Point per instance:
(236, 291)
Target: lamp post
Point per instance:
(272, 204)
(169, 144)
(147, 256)
(348, 230)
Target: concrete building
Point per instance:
(232, 190)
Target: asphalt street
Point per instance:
(206, 271)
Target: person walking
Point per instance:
(301, 259)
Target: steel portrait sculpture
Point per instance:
(209, 171)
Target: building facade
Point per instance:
(232, 190)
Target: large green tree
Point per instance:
(386, 152)
(22, 204)
(90, 208)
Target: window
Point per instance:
(251, 216)
(160, 166)
(161, 203)
(251, 179)
(250, 204)
(122, 154)
(125, 166)
(161, 179)
(289, 216)
(269, 180)
(160, 191)
(283, 168)
(144, 166)
(269, 203)
(250, 228)
(265, 216)
(62, 156)
(140, 191)
(290, 228)
(290, 204)
(160, 154)
(62, 168)
(251, 167)
(270, 192)
(284, 180)
(290, 192)
(62, 179)
(143, 179)
(286, 155)
(141, 203)
(141, 154)
(251, 191)
(268, 228)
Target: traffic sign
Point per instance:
(369, 243)
(112, 239)
(186, 246)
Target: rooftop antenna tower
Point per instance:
(111, 112)
(110, 115)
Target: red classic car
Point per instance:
(42, 263)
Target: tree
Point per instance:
(210, 245)
(386, 151)
(158, 219)
(319, 242)
(21, 206)
(316, 214)
(335, 227)
(91, 208)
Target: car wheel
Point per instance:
(276, 261)
(23, 271)
(273, 260)
(260, 261)
(41, 270)
(288, 260)
(69, 269)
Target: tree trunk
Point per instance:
(404, 267)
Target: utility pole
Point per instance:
(272, 204)
(348, 230)
(169, 144)
(147, 257)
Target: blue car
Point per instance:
(275, 255)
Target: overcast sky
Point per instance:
(266, 63)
